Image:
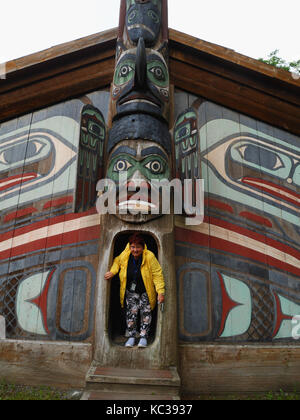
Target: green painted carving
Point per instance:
(90, 157)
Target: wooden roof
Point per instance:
(208, 70)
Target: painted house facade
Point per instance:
(232, 281)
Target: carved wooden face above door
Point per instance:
(134, 167)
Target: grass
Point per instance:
(282, 396)
(269, 396)
(29, 393)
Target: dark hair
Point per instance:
(137, 239)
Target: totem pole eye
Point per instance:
(153, 16)
(158, 73)
(121, 165)
(124, 73)
(132, 16)
(95, 129)
(182, 132)
(155, 166)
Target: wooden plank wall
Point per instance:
(238, 273)
(235, 370)
(48, 253)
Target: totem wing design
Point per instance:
(90, 157)
(187, 148)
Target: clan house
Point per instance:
(162, 108)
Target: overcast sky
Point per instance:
(250, 27)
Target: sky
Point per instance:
(253, 28)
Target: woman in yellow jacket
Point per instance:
(141, 279)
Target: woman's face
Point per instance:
(136, 250)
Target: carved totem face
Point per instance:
(139, 162)
(139, 143)
(141, 83)
(143, 20)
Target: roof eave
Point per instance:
(208, 70)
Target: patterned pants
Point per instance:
(138, 303)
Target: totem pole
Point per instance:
(139, 146)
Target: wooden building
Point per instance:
(235, 275)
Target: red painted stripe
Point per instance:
(264, 187)
(59, 202)
(46, 222)
(254, 235)
(10, 178)
(227, 246)
(80, 235)
(257, 219)
(19, 180)
(219, 205)
(20, 213)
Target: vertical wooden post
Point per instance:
(140, 104)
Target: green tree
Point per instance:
(274, 60)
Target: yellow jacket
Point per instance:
(150, 270)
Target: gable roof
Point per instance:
(208, 70)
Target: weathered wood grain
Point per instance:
(227, 369)
(44, 363)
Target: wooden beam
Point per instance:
(235, 81)
(210, 71)
(57, 74)
(240, 98)
(49, 91)
(228, 56)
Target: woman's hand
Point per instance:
(161, 299)
(108, 276)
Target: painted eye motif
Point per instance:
(182, 132)
(155, 166)
(25, 151)
(124, 72)
(158, 73)
(132, 16)
(51, 153)
(122, 165)
(165, 93)
(152, 15)
(261, 157)
(96, 129)
(12, 154)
